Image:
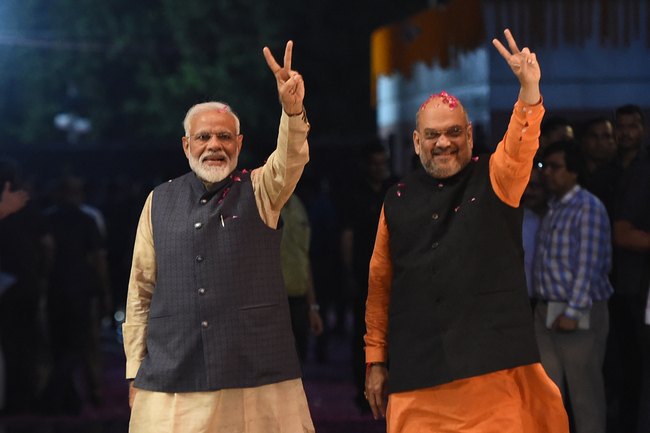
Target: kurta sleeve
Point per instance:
(379, 282)
(512, 161)
(274, 182)
(141, 285)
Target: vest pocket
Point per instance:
(258, 306)
(259, 316)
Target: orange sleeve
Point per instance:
(379, 281)
(512, 161)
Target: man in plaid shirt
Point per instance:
(570, 276)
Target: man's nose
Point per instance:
(214, 143)
(443, 141)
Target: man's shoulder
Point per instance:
(589, 201)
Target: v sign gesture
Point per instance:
(291, 87)
(524, 64)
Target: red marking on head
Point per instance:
(222, 110)
(445, 97)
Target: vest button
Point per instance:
(201, 291)
(199, 258)
(435, 216)
(204, 324)
(198, 225)
(435, 245)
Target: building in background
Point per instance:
(596, 56)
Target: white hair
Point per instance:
(208, 106)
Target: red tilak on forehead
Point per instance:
(446, 98)
(222, 110)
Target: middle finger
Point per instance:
(511, 42)
(287, 55)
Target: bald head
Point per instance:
(444, 100)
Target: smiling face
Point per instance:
(213, 145)
(443, 138)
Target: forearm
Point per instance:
(140, 292)
(512, 161)
(379, 284)
(627, 236)
(311, 293)
(274, 182)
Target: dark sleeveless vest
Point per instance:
(219, 315)
(458, 305)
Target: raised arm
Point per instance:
(275, 181)
(511, 163)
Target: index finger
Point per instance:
(288, 53)
(270, 60)
(502, 50)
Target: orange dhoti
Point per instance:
(517, 400)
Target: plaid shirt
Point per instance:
(574, 252)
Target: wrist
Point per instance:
(291, 114)
(373, 364)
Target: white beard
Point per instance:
(211, 174)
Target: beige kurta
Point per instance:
(279, 407)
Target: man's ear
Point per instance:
(470, 135)
(186, 147)
(240, 141)
(416, 141)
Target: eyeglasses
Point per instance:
(453, 132)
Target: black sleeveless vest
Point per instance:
(219, 315)
(458, 305)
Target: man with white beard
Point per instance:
(207, 334)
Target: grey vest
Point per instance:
(458, 304)
(219, 315)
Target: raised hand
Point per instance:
(524, 65)
(11, 202)
(291, 87)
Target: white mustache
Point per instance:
(214, 153)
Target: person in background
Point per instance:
(25, 249)
(570, 276)
(296, 270)
(597, 143)
(361, 211)
(535, 207)
(78, 292)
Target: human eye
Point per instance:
(203, 136)
(454, 131)
(431, 134)
(224, 136)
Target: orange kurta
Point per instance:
(522, 399)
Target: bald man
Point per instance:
(450, 333)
